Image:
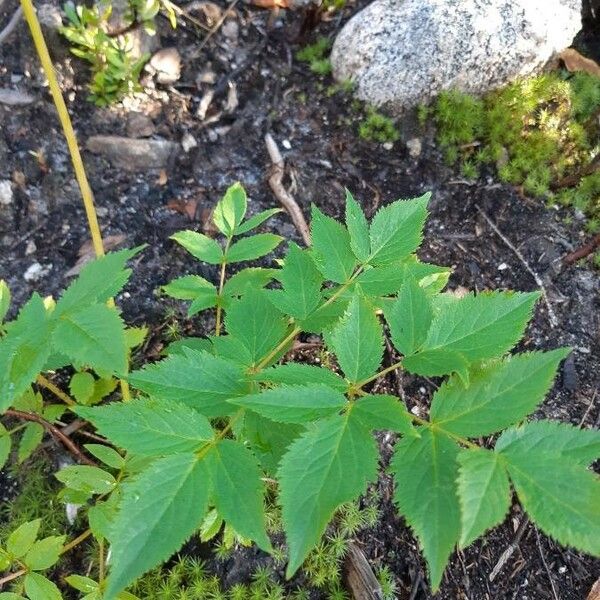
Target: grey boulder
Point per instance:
(400, 53)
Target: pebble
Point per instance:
(414, 147)
(30, 248)
(133, 154)
(502, 267)
(6, 192)
(15, 97)
(286, 144)
(231, 30)
(139, 125)
(213, 136)
(167, 65)
(388, 145)
(188, 142)
(35, 272)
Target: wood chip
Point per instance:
(576, 62)
(86, 252)
(595, 591)
(360, 578)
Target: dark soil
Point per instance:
(278, 95)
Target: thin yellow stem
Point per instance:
(381, 373)
(12, 576)
(46, 383)
(75, 542)
(218, 317)
(205, 449)
(100, 561)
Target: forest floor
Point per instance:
(316, 129)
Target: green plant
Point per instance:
(115, 67)
(316, 56)
(376, 127)
(221, 411)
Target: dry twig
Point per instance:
(360, 577)
(284, 197)
(547, 569)
(11, 25)
(55, 431)
(538, 280)
(217, 25)
(583, 251)
(509, 551)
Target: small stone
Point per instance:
(139, 125)
(188, 142)
(15, 97)
(286, 144)
(213, 136)
(133, 154)
(6, 192)
(388, 145)
(502, 267)
(35, 272)
(167, 65)
(30, 248)
(231, 30)
(414, 147)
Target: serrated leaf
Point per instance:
(434, 363)
(39, 587)
(328, 465)
(382, 280)
(256, 323)
(483, 492)
(250, 248)
(86, 479)
(552, 439)
(107, 455)
(301, 281)
(397, 230)
(331, 247)
(102, 515)
(358, 229)
(238, 490)
(198, 379)
(23, 351)
(483, 326)
(357, 340)
(269, 440)
(5, 445)
(409, 317)
(4, 299)
(93, 336)
(560, 497)
(210, 526)
(82, 386)
(253, 277)
(498, 395)
(193, 287)
(200, 246)
(231, 209)
(30, 440)
(135, 336)
(256, 220)
(21, 539)
(155, 520)
(382, 412)
(44, 553)
(189, 343)
(294, 403)
(301, 374)
(150, 427)
(426, 470)
(98, 281)
(325, 317)
(102, 388)
(11, 596)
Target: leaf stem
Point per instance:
(382, 373)
(221, 284)
(12, 576)
(76, 541)
(46, 383)
(205, 449)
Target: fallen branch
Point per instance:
(11, 25)
(285, 198)
(583, 251)
(55, 431)
(538, 280)
(360, 577)
(509, 551)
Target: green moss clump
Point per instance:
(376, 127)
(536, 132)
(316, 55)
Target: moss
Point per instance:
(376, 127)
(316, 56)
(536, 131)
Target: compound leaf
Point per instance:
(252, 247)
(44, 553)
(483, 326)
(238, 490)
(154, 520)
(38, 587)
(498, 395)
(357, 340)
(433, 363)
(329, 464)
(21, 539)
(196, 378)
(301, 374)
(231, 209)
(409, 317)
(426, 471)
(195, 288)
(256, 220)
(301, 281)
(94, 336)
(382, 412)
(483, 492)
(294, 403)
(199, 246)
(253, 277)
(4, 299)
(358, 228)
(331, 247)
(397, 230)
(150, 427)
